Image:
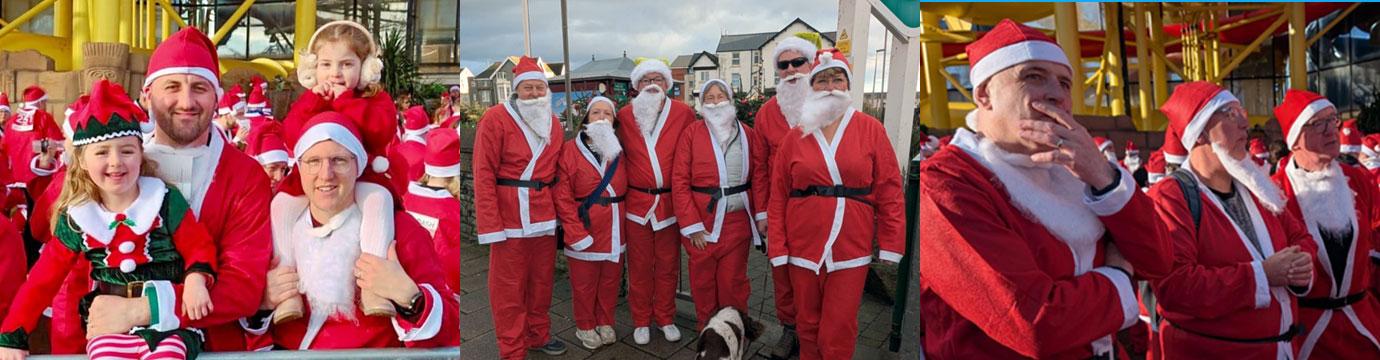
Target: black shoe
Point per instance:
(788, 345)
(553, 347)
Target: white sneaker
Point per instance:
(589, 339)
(606, 334)
(642, 335)
(672, 333)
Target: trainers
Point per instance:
(589, 339)
(642, 335)
(672, 333)
(553, 347)
(788, 345)
(606, 334)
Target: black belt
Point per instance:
(602, 201)
(1294, 331)
(1104, 356)
(651, 191)
(716, 193)
(530, 184)
(1332, 303)
(129, 290)
(834, 191)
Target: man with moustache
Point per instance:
(650, 132)
(516, 149)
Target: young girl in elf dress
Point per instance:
(138, 233)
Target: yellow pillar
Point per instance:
(80, 31)
(62, 19)
(933, 58)
(1159, 72)
(1114, 61)
(306, 25)
(105, 21)
(1144, 88)
(1066, 30)
(1298, 64)
(166, 23)
(149, 24)
(126, 16)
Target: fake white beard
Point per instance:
(1324, 196)
(790, 97)
(1111, 155)
(329, 264)
(536, 113)
(722, 119)
(1253, 177)
(605, 141)
(1132, 162)
(1051, 196)
(647, 108)
(823, 108)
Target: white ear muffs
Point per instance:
(373, 71)
(306, 70)
(373, 66)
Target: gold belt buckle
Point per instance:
(134, 289)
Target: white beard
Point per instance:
(329, 265)
(823, 108)
(790, 97)
(1111, 155)
(722, 119)
(605, 141)
(1049, 195)
(1132, 162)
(647, 108)
(1324, 197)
(1370, 163)
(536, 113)
(1254, 177)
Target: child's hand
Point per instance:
(12, 354)
(324, 90)
(196, 299)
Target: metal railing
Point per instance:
(359, 354)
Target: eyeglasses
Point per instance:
(651, 80)
(338, 164)
(1324, 126)
(796, 62)
(1232, 110)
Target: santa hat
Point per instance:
(453, 88)
(1131, 148)
(265, 143)
(1102, 143)
(1155, 167)
(1351, 137)
(34, 95)
(606, 101)
(933, 143)
(645, 66)
(187, 52)
(1370, 145)
(442, 154)
(1298, 107)
(805, 43)
(705, 86)
(231, 101)
(333, 126)
(1258, 149)
(415, 119)
(72, 109)
(4, 102)
(108, 114)
(373, 66)
(1008, 44)
(1190, 107)
(1173, 150)
(528, 69)
(832, 58)
(257, 100)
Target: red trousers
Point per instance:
(594, 286)
(520, 274)
(653, 269)
(718, 274)
(784, 297)
(832, 299)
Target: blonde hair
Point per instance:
(361, 43)
(452, 184)
(78, 187)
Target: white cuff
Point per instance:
(492, 237)
(33, 166)
(778, 261)
(761, 216)
(431, 325)
(1305, 291)
(1375, 255)
(1112, 202)
(583, 244)
(697, 227)
(889, 256)
(244, 324)
(162, 305)
(1262, 286)
(1130, 308)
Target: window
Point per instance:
(756, 57)
(735, 58)
(692, 85)
(775, 77)
(704, 76)
(737, 81)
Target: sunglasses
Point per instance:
(796, 62)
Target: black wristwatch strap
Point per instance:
(413, 308)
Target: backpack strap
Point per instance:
(1190, 189)
(598, 191)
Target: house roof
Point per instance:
(696, 58)
(682, 61)
(556, 67)
(619, 67)
(488, 72)
(745, 42)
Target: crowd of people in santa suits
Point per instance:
(205, 224)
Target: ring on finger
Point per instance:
(1059, 144)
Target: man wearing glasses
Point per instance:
(1342, 320)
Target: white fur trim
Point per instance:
(1112, 202)
(530, 75)
(583, 243)
(778, 261)
(492, 237)
(1196, 126)
(649, 66)
(1308, 111)
(1262, 285)
(272, 157)
(205, 73)
(380, 164)
(705, 86)
(602, 100)
(244, 324)
(1013, 54)
(889, 256)
(1175, 159)
(1130, 307)
(431, 325)
(693, 228)
(443, 171)
(29, 104)
(1350, 148)
(33, 166)
(794, 43)
(332, 132)
(826, 61)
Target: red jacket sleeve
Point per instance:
(37, 292)
(303, 109)
(440, 319)
(567, 209)
(761, 180)
(687, 213)
(488, 150)
(245, 246)
(194, 242)
(888, 198)
(1182, 290)
(13, 265)
(777, 196)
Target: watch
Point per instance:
(413, 307)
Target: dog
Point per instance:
(726, 335)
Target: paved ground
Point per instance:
(476, 322)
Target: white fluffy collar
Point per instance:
(334, 224)
(1325, 196)
(95, 220)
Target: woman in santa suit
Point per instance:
(717, 164)
(589, 202)
(434, 200)
(837, 186)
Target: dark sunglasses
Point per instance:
(796, 62)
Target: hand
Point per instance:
(385, 277)
(116, 315)
(196, 299)
(697, 239)
(13, 354)
(762, 228)
(281, 285)
(337, 90)
(323, 90)
(48, 157)
(1076, 150)
(1286, 267)
(1113, 258)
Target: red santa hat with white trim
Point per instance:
(333, 126)
(1132, 149)
(527, 68)
(1298, 107)
(1102, 143)
(257, 101)
(1351, 137)
(415, 120)
(231, 101)
(442, 154)
(73, 109)
(1008, 44)
(644, 66)
(265, 143)
(1370, 145)
(34, 95)
(1173, 150)
(1190, 107)
(1258, 152)
(1155, 167)
(832, 58)
(5, 102)
(188, 51)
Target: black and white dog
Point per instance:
(726, 335)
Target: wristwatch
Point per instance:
(413, 307)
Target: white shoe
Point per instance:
(589, 339)
(672, 333)
(606, 334)
(642, 335)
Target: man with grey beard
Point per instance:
(650, 131)
(794, 58)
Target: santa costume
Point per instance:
(591, 209)
(1350, 135)
(435, 207)
(1258, 152)
(1105, 146)
(225, 189)
(1013, 251)
(1370, 147)
(413, 147)
(233, 104)
(30, 124)
(1217, 303)
(515, 159)
(1341, 319)
(854, 181)
(650, 127)
(143, 251)
(720, 182)
(265, 144)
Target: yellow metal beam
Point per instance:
(126, 20)
(1112, 53)
(81, 30)
(1160, 79)
(1143, 86)
(934, 83)
(1334, 22)
(1066, 30)
(305, 26)
(954, 82)
(150, 24)
(1234, 25)
(230, 23)
(59, 49)
(1250, 48)
(1298, 71)
(105, 21)
(24, 18)
(62, 19)
(172, 13)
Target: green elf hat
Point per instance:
(108, 114)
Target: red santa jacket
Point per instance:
(860, 156)
(1218, 286)
(505, 149)
(649, 162)
(1347, 332)
(18, 142)
(376, 116)
(439, 213)
(770, 125)
(13, 264)
(998, 284)
(414, 150)
(580, 173)
(700, 163)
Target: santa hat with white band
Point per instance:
(1008, 44)
(1298, 107)
(188, 51)
(528, 69)
(1190, 107)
